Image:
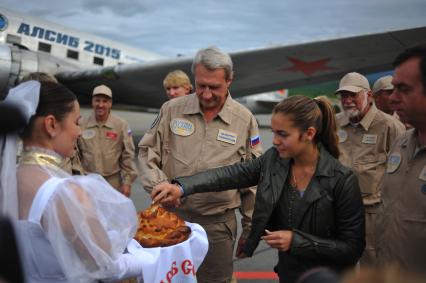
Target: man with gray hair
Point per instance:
(365, 138)
(204, 130)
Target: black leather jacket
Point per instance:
(329, 223)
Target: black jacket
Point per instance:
(329, 223)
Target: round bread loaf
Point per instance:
(160, 228)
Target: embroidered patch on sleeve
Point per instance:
(254, 141)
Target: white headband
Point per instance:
(26, 97)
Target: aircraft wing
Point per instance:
(257, 70)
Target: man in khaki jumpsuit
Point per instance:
(177, 84)
(365, 137)
(106, 144)
(382, 89)
(204, 130)
(402, 219)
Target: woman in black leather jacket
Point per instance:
(308, 205)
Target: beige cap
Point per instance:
(384, 83)
(353, 82)
(102, 89)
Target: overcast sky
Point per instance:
(171, 27)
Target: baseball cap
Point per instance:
(384, 83)
(102, 89)
(353, 82)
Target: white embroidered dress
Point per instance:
(73, 228)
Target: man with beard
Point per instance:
(365, 138)
(199, 131)
(106, 143)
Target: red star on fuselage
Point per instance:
(308, 68)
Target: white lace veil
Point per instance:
(25, 96)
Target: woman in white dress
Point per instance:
(72, 228)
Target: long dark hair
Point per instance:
(318, 113)
(55, 99)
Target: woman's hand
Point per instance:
(280, 240)
(166, 193)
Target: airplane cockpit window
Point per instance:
(13, 39)
(72, 54)
(45, 47)
(98, 61)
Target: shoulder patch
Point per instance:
(393, 162)
(254, 141)
(156, 120)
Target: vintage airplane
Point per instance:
(82, 61)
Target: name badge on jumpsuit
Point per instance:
(393, 162)
(88, 134)
(226, 136)
(182, 127)
(369, 139)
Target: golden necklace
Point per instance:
(293, 176)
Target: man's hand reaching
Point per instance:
(167, 194)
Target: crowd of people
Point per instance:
(335, 191)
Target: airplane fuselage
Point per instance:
(29, 44)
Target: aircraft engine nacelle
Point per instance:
(16, 62)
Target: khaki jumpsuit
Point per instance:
(364, 149)
(402, 215)
(108, 149)
(181, 143)
(72, 165)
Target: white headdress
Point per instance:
(25, 96)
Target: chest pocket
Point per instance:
(412, 207)
(174, 163)
(238, 156)
(111, 149)
(370, 170)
